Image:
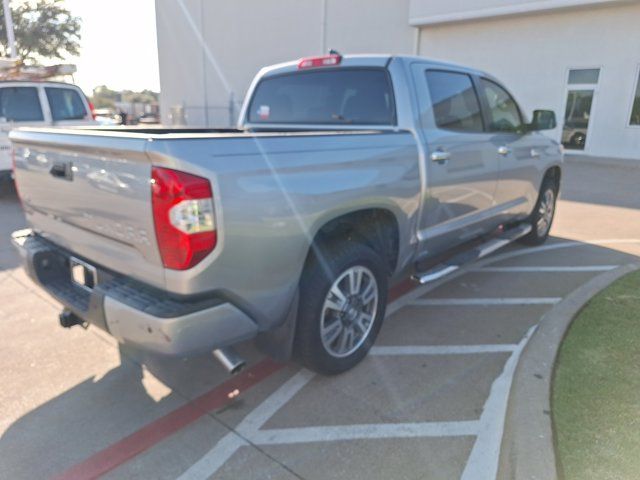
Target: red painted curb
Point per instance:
(153, 433)
(402, 288)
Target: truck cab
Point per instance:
(481, 158)
(345, 175)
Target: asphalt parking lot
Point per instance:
(429, 402)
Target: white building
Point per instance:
(580, 58)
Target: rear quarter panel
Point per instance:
(274, 192)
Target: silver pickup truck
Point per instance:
(345, 175)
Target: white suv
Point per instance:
(27, 103)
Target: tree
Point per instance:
(43, 29)
(104, 97)
(145, 96)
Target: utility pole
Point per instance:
(11, 39)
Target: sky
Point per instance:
(118, 45)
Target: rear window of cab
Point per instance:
(343, 96)
(65, 104)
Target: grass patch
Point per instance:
(596, 390)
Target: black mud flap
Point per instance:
(278, 343)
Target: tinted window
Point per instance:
(635, 111)
(454, 100)
(65, 104)
(20, 104)
(504, 114)
(344, 96)
(586, 75)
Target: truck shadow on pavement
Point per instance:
(102, 410)
(11, 219)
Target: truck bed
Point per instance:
(275, 185)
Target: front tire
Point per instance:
(343, 296)
(542, 216)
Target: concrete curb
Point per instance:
(528, 450)
(603, 161)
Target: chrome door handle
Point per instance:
(535, 153)
(440, 156)
(503, 150)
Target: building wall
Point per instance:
(428, 12)
(210, 51)
(181, 72)
(532, 55)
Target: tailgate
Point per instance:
(91, 193)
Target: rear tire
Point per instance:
(543, 213)
(343, 296)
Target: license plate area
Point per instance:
(83, 274)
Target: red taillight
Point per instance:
(184, 217)
(92, 109)
(324, 61)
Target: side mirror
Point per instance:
(543, 120)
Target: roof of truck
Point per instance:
(368, 60)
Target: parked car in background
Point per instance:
(37, 104)
(107, 116)
(574, 134)
(149, 119)
(345, 174)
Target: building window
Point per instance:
(580, 93)
(635, 111)
(584, 76)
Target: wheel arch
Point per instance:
(554, 172)
(376, 227)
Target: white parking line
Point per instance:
(367, 432)
(556, 246)
(482, 463)
(441, 349)
(215, 458)
(225, 448)
(249, 429)
(406, 299)
(258, 417)
(484, 457)
(442, 302)
(518, 269)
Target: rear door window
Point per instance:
(338, 96)
(20, 104)
(65, 104)
(454, 101)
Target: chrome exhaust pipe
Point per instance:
(229, 359)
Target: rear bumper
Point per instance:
(134, 312)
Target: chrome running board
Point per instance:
(476, 253)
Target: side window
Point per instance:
(20, 104)
(454, 100)
(65, 104)
(504, 114)
(635, 109)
